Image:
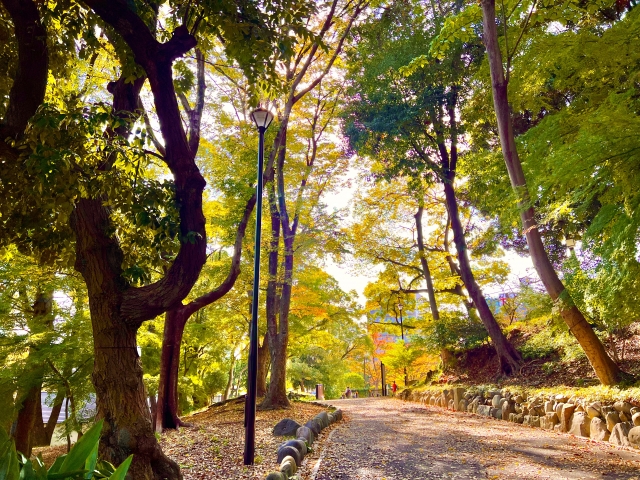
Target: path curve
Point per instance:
(388, 439)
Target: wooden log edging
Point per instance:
(616, 422)
(292, 452)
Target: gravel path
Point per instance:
(387, 439)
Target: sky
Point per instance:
(348, 280)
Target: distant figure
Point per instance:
(348, 392)
(394, 387)
(355, 394)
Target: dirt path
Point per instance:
(394, 440)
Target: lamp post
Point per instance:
(262, 118)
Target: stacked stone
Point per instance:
(292, 452)
(618, 423)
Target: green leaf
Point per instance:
(90, 464)
(80, 452)
(121, 471)
(9, 469)
(55, 468)
(75, 474)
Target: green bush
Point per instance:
(80, 463)
(552, 340)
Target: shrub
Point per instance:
(80, 463)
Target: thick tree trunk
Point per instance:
(263, 366)
(607, 371)
(27, 418)
(167, 404)
(117, 372)
(509, 357)
(276, 396)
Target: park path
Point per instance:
(388, 439)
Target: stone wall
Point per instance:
(615, 422)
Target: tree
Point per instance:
(606, 370)
(411, 122)
(306, 71)
(83, 156)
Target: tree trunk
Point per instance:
(27, 418)
(425, 266)
(174, 325)
(53, 419)
(167, 405)
(607, 371)
(227, 390)
(117, 372)
(276, 396)
(508, 356)
(29, 426)
(263, 366)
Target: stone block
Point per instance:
(484, 410)
(531, 420)
(508, 407)
(462, 406)
(594, 409)
(634, 437)
(624, 407)
(276, 476)
(306, 434)
(298, 444)
(290, 452)
(458, 395)
(286, 428)
(635, 418)
(496, 413)
(288, 466)
(558, 408)
(549, 421)
(561, 398)
(565, 416)
(598, 430)
(580, 424)
(495, 402)
(612, 419)
(619, 435)
(451, 405)
(548, 406)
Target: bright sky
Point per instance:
(348, 280)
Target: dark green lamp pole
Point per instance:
(262, 118)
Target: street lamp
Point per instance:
(262, 118)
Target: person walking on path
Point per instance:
(394, 387)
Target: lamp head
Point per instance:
(262, 117)
(400, 306)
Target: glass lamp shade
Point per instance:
(262, 117)
(400, 306)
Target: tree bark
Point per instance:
(29, 426)
(263, 366)
(425, 266)
(227, 390)
(508, 356)
(606, 369)
(174, 324)
(167, 405)
(117, 373)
